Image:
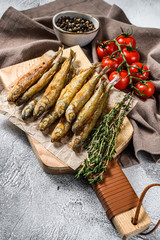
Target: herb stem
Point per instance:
(102, 142)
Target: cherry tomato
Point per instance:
(128, 40)
(123, 82)
(139, 73)
(131, 56)
(148, 90)
(105, 49)
(112, 62)
(119, 59)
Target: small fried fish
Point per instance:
(43, 81)
(72, 88)
(52, 116)
(83, 96)
(80, 136)
(60, 130)
(27, 111)
(48, 119)
(89, 108)
(53, 90)
(29, 79)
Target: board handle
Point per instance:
(119, 201)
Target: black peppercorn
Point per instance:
(74, 24)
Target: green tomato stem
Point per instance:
(124, 61)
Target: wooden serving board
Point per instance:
(122, 190)
(50, 163)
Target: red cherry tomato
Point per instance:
(119, 59)
(129, 40)
(112, 62)
(123, 82)
(139, 73)
(105, 49)
(147, 90)
(131, 56)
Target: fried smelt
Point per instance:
(83, 96)
(48, 119)
(72, 88)
(60, 130)
(53, 90)
(71, 74)
(27, 111)
(80, 136)
(43, 81)
(52, 116)
(29, 79)
(89, 108)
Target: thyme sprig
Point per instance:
(102, 142)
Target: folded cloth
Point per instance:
(28, 34)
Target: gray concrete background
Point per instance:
(38, 206)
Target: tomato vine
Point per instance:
(130, 61)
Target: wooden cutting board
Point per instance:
(50, 163)
(108, 195)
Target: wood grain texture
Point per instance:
(124, 226)
(119, 201)
(48, 161)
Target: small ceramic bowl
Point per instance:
(74, 38)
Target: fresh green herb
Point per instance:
(102, 142)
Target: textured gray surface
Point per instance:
(37, 206)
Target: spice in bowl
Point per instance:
(74, 28)
(73, 24)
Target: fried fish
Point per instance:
(27, 111)
(29, 79)
(83, 96)
(60, 130)
(80, 136)
(72, 88)
(89, 108)
(52, 116)
(43, 81)
(53, 90)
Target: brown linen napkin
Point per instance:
(28, 34)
